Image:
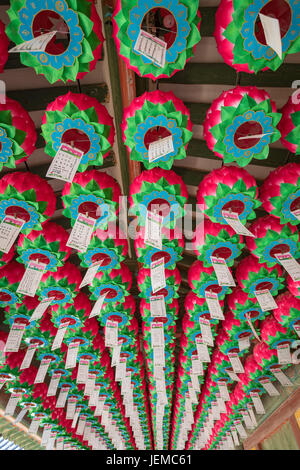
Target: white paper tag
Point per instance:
(37, 44)
(193, 396)
(46, 434)
(83, 370)
(97, 308)
(75, 417)
(240, 429)
(289, 263)
(65, 163)
(93, 398)
(60, 443)
(223, 390)
(269, 387)
(81, 426)
(151, 47)
(126, 384)
(90, 274)
(157, 335)
(89, 384)
(251, 414)
(281, 377)
(158, 280)
(214, 306)
(28, 356)
(247, 419)
(14, 338)
(159, 356)
(116, 354)
(232, 219)
(202, 350)
(71, 407)
(284, 354)
(62, 397)
(59, 336)
(87, 431)
(81, 233)
(195, 382)
(266, 300)
(31, 278)
(160, 148)
(259, 407)
(158, 306)
(244, 342)
(41, 309)
(206, 333)
(153, 235)
(72, 355)
(12, 404)
(197, 367)
(221, 403)
(271, 27)
(99, 407)
(222, 271)
(236, 364)
(10, 227)
(296, 213)
(233, 375)
(235, 436)
(297, 329)
(42, 371)
(52, 388)
(111, 333)
(34, 425)
(120, 372)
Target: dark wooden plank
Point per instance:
(198, 111)
(38, 98)
(207, 20)
(222, 74)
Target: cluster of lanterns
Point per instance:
(85, 385)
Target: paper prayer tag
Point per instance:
(37, 44)
(65, 163)
(158, 280)
(232, 219)
(31, 278)
(160, 148)
(222, 271)
(10, 227)
(151, 47)
(81, 233)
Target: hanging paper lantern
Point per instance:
(93, 193)
(5, 258)
(241, 38)
(273, 334)
(244, 307)
(253, 276)
(17, 134)
(289, 125)
(28, 197)
(47, 246)
(280, 193)
(75, 48)
(4, 43)
(108, 246)
(81, 121)
(61, 285)
(213, 239)
(170, 291)
(179, 25)
(153, 116)
(161, 191)
(241, 124)
(203, 279)
(266, 357)
(288, 311)
(293, 287)
(114, 285)
(76, 313)
(10, 277)
(228, 188)
(272, 238)
(172, 247)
